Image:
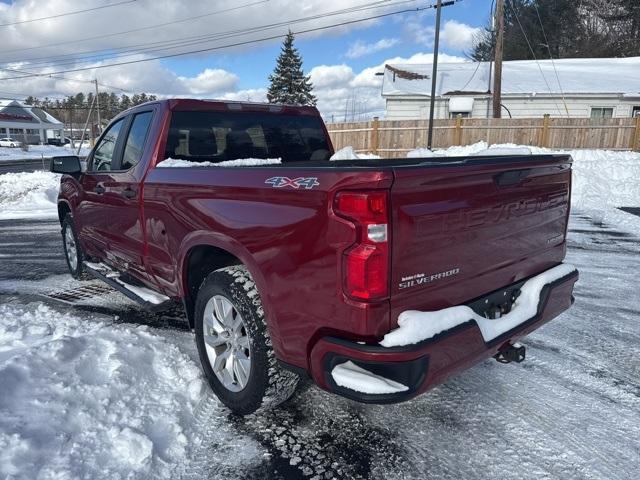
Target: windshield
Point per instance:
(220, 136)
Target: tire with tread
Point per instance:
(78, 272)
(268, 384)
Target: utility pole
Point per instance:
(436, 44)
(434, 74)
(98, 106)
(497, 79)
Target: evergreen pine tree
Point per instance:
(288, 84)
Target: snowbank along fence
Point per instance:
(394, 138)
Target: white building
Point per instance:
(20, 121)
(596, 88)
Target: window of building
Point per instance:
(601, 112)
(462, 114)
(136, 140)
(635, 113)
(33, 131)
(16, 132)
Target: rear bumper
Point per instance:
(424, 365)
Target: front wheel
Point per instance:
(234, 345)
(72, 250)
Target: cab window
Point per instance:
(105, 150)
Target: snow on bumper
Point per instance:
(416, 327)
(429, 354)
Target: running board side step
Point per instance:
(153, 301)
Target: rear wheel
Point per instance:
(234, 345)
(72, 251)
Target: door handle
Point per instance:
(128, 193)
(511, 177)
(99, 189)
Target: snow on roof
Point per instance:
(576, 75)
(18, 109)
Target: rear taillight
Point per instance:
(366, 263)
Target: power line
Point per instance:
(198, 39)
(532, 52)
(221, 47)
(551, 57)
(60, 77)
(76, 12)
(140, 29)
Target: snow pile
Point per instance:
(29, 195)
(348, 153)
(476, 149)
(86, 399)
(415, 326)
(602, 179)
(353, 377)
(42, 151)
(240, 162)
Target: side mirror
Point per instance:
(68, 164)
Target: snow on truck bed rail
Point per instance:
(602, 180)
(240, 162)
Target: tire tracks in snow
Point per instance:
(553, 423)
(312, 436)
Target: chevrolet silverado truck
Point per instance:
(378, 279)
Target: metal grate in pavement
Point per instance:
(78, 294)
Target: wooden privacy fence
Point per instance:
(394, 138)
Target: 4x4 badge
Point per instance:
(304, 182)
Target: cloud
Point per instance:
(59, 43)
(346, 95)
(453, 34)
(360, 48)
(187, 24)
(419, 33)
(459, 36)
(149, 77)
(210, 81)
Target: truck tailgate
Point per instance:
(467, 227)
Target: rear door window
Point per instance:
(220, 136)
(136, 140)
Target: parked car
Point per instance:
(9, 142)
(58, 142)
(378, 279)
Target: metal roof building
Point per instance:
(582, 87)
(26, 123)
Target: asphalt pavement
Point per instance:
(30, 165)
(571, 410)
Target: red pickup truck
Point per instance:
(376, 278)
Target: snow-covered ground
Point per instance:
(89, 399)
(29, 195)
(40, 151)
(90, 391)
(103, 390)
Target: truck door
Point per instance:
(109, 213)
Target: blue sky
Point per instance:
(342, 62)
(254, 65)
